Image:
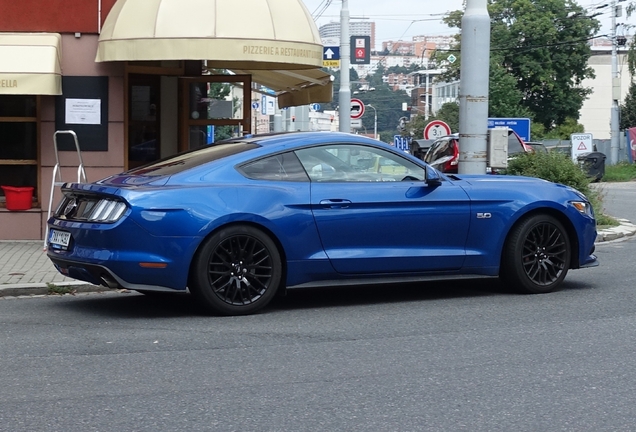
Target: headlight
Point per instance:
(583, 207)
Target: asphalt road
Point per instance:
(430, 357)
(619, 199)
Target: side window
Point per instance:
(281, 167)
(356, 163)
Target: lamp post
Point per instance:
(375, 121)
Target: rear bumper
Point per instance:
(123, 255)
(101, 275)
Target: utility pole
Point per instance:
(426, 99)
(616, 92)
(375, 121)
(344, 93)
(473, 88)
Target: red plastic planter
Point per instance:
(18, 198)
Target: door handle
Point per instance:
(335, 203)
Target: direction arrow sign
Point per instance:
(357, 108)
(436, 129)
(331, 53)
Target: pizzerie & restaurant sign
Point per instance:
(277, 51)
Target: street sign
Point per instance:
(357, 108)
(356, 123)
(331, 53)
(360, 50)
(268, 105)
(255, 105)
(436, 129)
(402, 142)
(331, 56)
(314, 106)
(520, 125)
(581, 143)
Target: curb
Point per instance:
(625, 229)
(38, 289)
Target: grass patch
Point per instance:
(59, 290)
(622, 171)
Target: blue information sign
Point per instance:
(402, 142)
(331, 53)
(520, 125)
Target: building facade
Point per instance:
(595, 113)
(331, 31)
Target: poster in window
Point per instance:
(83, 111)
(83, 108)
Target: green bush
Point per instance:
(559, 168)
(553, 166)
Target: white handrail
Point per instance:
(81, 174)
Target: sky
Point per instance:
(403, 19)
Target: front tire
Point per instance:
(536, 255)
(237, 271)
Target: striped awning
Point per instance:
(30, 64)
(275, 41)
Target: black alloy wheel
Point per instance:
(237, 271)
(537, 255)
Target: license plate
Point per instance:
(60, 238)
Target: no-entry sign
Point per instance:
(357, 108)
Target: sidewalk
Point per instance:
(26, 270)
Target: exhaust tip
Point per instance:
(108, 281)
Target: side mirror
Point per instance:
(432, 177)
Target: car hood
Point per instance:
(518, 183)
(498, 179)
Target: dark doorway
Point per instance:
(144, 102)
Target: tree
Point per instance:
(562, 131)
(388, 103)
(333, 105)
(628, 108)
(542, 45)
(504, 98)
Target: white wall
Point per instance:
(596, 110)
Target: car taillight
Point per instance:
(90, 208)
(107, 211)
(448, 166)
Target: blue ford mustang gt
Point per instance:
(240, 220)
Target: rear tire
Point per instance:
(536, 255)
(237, 271)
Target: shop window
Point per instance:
(18, 142)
